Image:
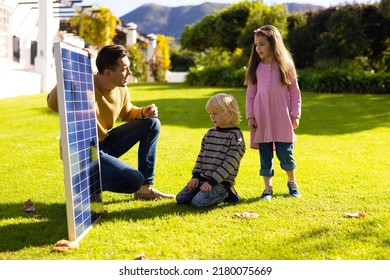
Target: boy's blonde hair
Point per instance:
(227, 104)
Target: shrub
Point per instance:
(216, 76)
(137, 59)
(181, 62)
(332, 80)
(336, 80)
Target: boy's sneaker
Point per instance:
(232, 195)
(293, 189)
(267, 193)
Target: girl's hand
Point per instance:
(192, 184)
(295, 122)
(252, 123)
(206, 187)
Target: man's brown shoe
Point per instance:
(153, 194)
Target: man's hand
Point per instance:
(150, 111)
(89, 51)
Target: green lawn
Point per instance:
(343, 166)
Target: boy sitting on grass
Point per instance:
(218, 161)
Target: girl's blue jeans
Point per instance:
(119, 176)
(201, 199)
(284, 152)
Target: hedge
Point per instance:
(333, 80)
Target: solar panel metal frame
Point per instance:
(84, 204)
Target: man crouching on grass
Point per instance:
(141, 126)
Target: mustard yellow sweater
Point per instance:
(110, 105)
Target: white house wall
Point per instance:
(23, 23)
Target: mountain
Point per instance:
(296, 7)
(170, 21)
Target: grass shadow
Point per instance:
(322, 114)
(152, 211)
(324, 239)
(52, 225)
(177, 110)
(30, 232)
(335, 114)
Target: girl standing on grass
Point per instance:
(273, 106)
(217, 164)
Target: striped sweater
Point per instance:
(219, 158)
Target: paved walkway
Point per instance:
(18, 82)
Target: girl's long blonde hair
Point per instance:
(281, 54)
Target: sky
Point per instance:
(122, 7)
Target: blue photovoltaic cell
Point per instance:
(82, 141)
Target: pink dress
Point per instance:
(272, 105)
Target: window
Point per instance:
(4, 30)
(16, 45)
(33, 52)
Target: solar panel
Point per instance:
(79, 139)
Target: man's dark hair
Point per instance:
(108, 56)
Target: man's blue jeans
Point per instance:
(118, 176)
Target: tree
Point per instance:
(301, 48)
(137, 59)
(160, 63)
(197, 37)
(182, 61)
(230, 23)
(97, 30)
(220, 30)
(345, 38)
(385, 8)
(260, 15)
(231, 30)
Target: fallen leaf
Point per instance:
(37, 216)
(65, 245)
(141, 257)
(355, 215)
(29, 206)
(104, 213)
(247, 215)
